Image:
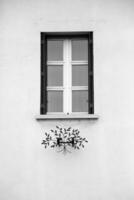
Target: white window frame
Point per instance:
(67, 87)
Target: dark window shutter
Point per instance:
(43, 99)
(90, 75)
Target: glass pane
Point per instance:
(54, 75)
(55, 50)
(55, 101)
(79, 75)
(80, 50)
(79, 101)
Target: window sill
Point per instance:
(68, 117)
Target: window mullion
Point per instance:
(69, 77)
(65, 77)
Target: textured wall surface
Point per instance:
(105, 168)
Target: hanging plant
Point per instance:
(64, 139)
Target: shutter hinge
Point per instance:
(42, 73)
(42, 106)
(90, 73)
(42, 42)
(90, 41)
(91, 105)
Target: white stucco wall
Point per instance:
(105, 168)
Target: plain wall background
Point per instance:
(105, 168)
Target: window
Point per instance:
(67, 73)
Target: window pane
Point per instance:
(80, 50)
(79, 75)
(55, 50)
(79, 101)
(54, 75)
(55, 101)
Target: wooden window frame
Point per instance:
(66, 35)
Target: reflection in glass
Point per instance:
(79, 75)
(54, 50)
(54, 75)
(79, 101)
(80, 50)
(54, 101)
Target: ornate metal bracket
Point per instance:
(64, 139)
